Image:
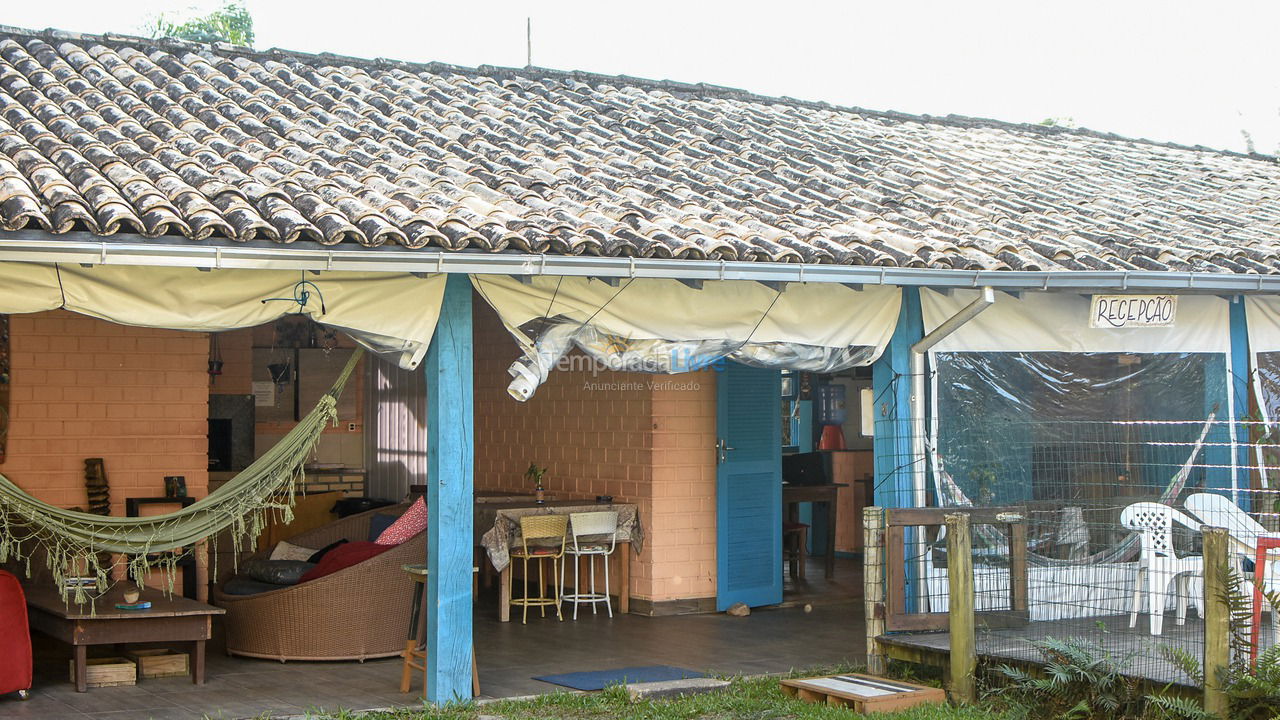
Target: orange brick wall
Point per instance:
(236, 348)
(84, 387)
(644, 439)
(683, 527)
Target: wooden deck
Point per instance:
(1138, 652)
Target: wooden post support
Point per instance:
(202, 571)
(1217, 619)
(450, 497)
(873, 586)
(964, 657)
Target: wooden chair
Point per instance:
(415, 650)
(795, 541)
(545, 528)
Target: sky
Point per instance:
(1195, 73)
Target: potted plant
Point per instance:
(534, 475)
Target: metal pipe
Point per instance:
(87, 249)
(919, 463)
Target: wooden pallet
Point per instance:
(159, 663)
(862, 693)
(107, 672)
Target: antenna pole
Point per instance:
(528, 41)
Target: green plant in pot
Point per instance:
(534, 475)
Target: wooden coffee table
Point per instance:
(169, 620)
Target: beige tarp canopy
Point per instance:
(392, 314)
(665, 326)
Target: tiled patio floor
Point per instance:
(510, 655)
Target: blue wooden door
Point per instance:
(748, 487)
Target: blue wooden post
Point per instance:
(891, 387)
(450, 462)
(804, 444)
(1238, 387)
(1227, 388)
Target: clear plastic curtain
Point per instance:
(1028, 427)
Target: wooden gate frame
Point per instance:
(897, 520)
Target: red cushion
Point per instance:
(15, 640)
(344, 556)
(412, 522)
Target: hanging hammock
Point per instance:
(951, 495)
(72, 539)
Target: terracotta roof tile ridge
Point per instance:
(533, 72)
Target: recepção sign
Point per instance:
(1125, 311)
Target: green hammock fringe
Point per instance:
(73, 540)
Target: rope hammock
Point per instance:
(952, 496)
(72, 539)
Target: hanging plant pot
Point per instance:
(215, 368)
(280, 372)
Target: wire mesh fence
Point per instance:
(1111, 511)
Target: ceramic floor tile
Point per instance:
(510, 656)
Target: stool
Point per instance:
(415, 650)
(603, 527)
(795, 538)
(547, 528)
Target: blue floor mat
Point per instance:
(600, 679)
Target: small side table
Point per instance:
(415, 651)
(1264, 543)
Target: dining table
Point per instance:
(501, 524)
(793, 495)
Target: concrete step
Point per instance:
(674, 688)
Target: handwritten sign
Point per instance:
(264, 394)
(1126, 311)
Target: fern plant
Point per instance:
(1080, 680)
(1253, 691)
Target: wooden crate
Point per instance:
(159, 662)
(863, 693)
(107, 672)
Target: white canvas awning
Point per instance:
(1059, 322)
(665, 326)
(392, 314)
(1262, 313)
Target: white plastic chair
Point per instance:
(602, 529)
(1158, 564)
(1219, 511)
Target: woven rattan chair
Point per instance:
(550, 529)
(356, 613)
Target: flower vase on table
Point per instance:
(534, 475)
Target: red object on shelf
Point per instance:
(15, 637)
(832, 438)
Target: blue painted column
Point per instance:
(891, 388)
(450, 495)
(804, 443)
(1238, 387)
(1227, 388)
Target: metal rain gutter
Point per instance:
(87, 249)
(919, 473)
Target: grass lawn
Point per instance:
(746, 699)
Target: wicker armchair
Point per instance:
(357, 613)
